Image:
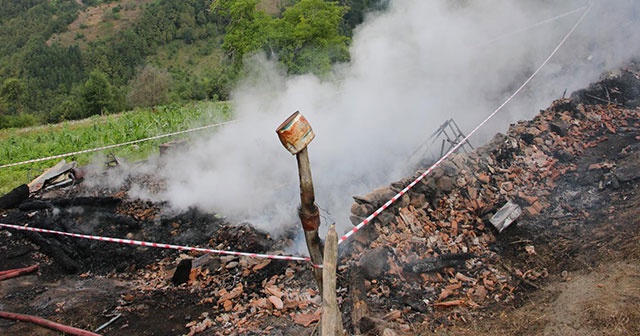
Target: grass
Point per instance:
(17, 145)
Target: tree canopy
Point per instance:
(52, 81)
(306, 38)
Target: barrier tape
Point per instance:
(518, 31)
(159, 245)
(464, 140)
(84, 151)
(279, 257)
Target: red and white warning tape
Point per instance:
(460, 143)
(84, 151)
(291, 258)
(159, 245)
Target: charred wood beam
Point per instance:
(32, 205)
(358, 295)
(69, 202)
(54, 249)
(13, 198)
(87, 201)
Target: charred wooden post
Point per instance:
(310, 215)
(359, 308)
(295, 133)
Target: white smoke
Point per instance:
(414, 66)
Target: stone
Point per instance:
(558, 128)
(380, 196)
(628, 169)
(417, 200)
(362, 210)
(404, 201)
(374, 263)
(386, 217)
(563, 156)
(445, 184)
(449, 169)
(505, 216)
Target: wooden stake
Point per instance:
(309, 214)
(331, 317)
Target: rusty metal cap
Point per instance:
(295, 133)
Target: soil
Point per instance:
(92, 23)
(585, 248)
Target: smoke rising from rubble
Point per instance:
(413, 67)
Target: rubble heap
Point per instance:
(434, 248)
(432, 258)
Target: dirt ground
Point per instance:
(585, 245)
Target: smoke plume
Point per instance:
(413, 66)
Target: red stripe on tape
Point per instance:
(158, 245)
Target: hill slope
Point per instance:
(70, 59)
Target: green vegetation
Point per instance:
(67, 60)
(306, 38)
(198, 46)
(18, 145)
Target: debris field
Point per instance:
(472, 237)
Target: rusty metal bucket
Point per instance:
(295, 133)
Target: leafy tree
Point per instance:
(150, 87)
(68, 107)
(50, 67)
(248, 29)
(308, 37)
(11, 96)
(358, 9)
(18, 121)
(98, 94)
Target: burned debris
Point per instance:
(620, 88)
(439, 238)
(466, 238)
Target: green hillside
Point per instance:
(71, 59)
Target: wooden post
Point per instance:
(309, 214)
(331, 317)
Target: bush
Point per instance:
(149, 88)
(18, 121)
